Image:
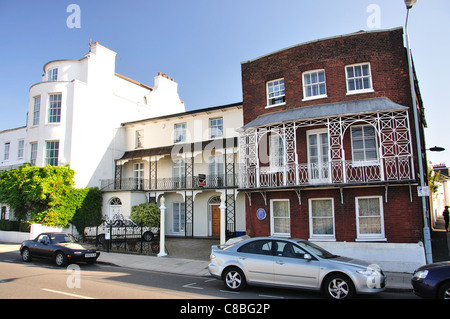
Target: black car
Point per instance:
(432, 281)
(60, 247)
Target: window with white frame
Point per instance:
(6, 153)
(369, 218)
(215, 176)
(52, 153)
(20, 148)
(178, 218)
(138, 174)
(275, 92)
(36, 110)
(33, 153)
(54, 110)
(180, 132)
(314, 85)
(321, 214)
(216, 127)
(179, 173)
(280, 217)
(139, 139)
(276, 152)
(364, 143)
(359, 78)
(53, 74)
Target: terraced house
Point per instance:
(191, 159)
(327, 147)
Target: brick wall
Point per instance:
(402, 223)
(383, 50)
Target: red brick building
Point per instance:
(327, 150)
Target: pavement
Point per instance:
(194, 261)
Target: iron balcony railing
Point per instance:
(333, 172)
(171, 183)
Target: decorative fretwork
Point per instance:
(395, 161)
(231, 214)
(118, 176)
(189, 214)
(153, 173)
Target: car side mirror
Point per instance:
(307, 257)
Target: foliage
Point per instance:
(44, 194)
(146, 214)
(433, 179)
(90, 212)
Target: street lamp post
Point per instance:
(426, 228)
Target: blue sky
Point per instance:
(201, 43)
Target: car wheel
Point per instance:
(338, 286)
(60, 259)
(444, 291)
(26, 255)
(148, 236)
(234, 279)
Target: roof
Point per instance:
(326, 110)
(362, 32)
(182, 148)
(192, 112)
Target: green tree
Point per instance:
(146, 214)
(90, 212)
(45, 195)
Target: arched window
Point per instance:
(115, 201)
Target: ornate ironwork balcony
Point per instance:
(333, 172)
(170, 183)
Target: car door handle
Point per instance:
(280, 262)
(242, 258)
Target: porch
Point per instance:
(355, 142)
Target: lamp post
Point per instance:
(426, 228)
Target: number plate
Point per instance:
(90, 255)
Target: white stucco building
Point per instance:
(75, 114)
(191, 159)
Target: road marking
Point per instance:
(66, 293)
(229, 291)
(190, 286)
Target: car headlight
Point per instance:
(372, 270)
(421, 274)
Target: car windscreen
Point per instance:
(62, 238)
(317, 250)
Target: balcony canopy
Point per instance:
(326, 110)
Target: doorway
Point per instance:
(215, 220)
(214, 213)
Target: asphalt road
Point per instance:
(41, 279)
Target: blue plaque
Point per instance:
(261, 213)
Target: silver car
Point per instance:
(292, 263)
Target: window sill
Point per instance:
(371, 239)
(366, 163)
(275, 105)
(316, 97)
(360, 91)
(319, 238)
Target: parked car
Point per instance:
(293, 263)
(61, 247)
(432, 281)
(120, 229)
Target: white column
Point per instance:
(162, 229)
(222, 220)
